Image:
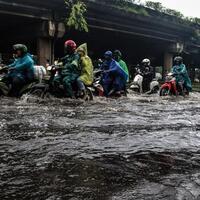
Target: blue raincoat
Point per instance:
(181, 74)
(23, 68)
(114, 77)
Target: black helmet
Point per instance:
(118, 53)
(23, 48)
(178, 60)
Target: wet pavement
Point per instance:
(135, 148)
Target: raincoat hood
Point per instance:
(83, 48)
(86, 66)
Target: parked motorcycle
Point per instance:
(171, 88)
(46, 88)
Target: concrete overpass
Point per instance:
(36, 23)
(39, 24)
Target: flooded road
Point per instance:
(133, 148)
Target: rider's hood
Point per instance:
(83, 48)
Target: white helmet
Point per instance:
(146, 61)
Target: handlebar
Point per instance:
(54, 67)
(98, 72)
(175, 74)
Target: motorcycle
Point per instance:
(5, 89)
(171, 88)
(46, 88)
(98, 89)
(136, 85)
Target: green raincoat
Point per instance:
(69, 73)
(86, 66)
(71, 65)
(182, 75)
(124, 67)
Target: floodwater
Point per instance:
(135, 148)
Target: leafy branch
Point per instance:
(76, 18)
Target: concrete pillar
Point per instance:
(44, 50)
(168, 61)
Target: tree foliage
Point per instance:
(77, 10)
(160, 8)
(76, 18)
(174, 13)
(194, 22)
(128, 6)
(154, 5)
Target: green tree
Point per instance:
(174, 13)
(155, 6)
(76, 18)
(128, 6)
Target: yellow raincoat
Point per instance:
(86, 66)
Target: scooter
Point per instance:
(46, 88)
(171, 88)
(136, 85)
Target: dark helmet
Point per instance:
(20, 47)
(118, 53)
(178, 60)
(108, 54)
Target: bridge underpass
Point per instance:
(17, 29)
(34, 23)
(134, 48)
(136, 36)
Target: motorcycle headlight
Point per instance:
(49, 68)
(134, 87)
(168, 78)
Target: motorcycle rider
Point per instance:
(70, 71)
(114, 77)
(21, 71)
(86, 77)
(180, 72)
(146, 70)
(118, 57)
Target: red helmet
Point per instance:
(70, 43)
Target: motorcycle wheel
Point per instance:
(164, 91)
(1, 93)
(155, 90)
(4, 90)
(135, 89)
(88, 96)
(37, 93)
(48, 95)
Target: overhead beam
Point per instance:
(25, 10)
(133, 30)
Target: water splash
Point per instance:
(140, 147)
